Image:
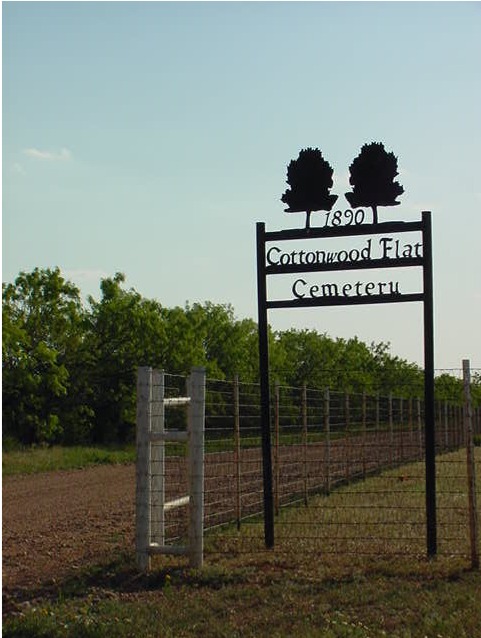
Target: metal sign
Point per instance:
(382, 246)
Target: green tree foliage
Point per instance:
(42, 336)
(69, 371)
(125, 331)
(305, 356)
(225, 341)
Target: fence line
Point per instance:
(322, 439)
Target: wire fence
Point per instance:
(348, 471)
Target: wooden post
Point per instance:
(327, 447)
(276, 448)
(364, 433)
(420, 431)
(143, 470)
(304, 442)
(410, 417)
(452, 426)
(446, 427)
(378, 431)
(157, 523)
(391, 430)
(401, 426)
(196, 418)
(237, 451)
(471, 468)
(348, 442)
(452, 430)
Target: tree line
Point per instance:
(69, 368)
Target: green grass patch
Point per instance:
(47, 459)
(262, 597)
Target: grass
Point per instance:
(267, 596)
(32, 460)
(309, 586)
(47, 459)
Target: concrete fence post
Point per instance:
(157, 523)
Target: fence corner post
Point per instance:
(143, 470)
(196, 391)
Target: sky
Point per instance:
(149, 138)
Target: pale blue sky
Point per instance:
(149, 138)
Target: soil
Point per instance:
(58, 522)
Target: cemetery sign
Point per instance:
(313, 266)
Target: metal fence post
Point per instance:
(196, 418)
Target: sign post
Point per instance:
(383, 247)
(264, 382)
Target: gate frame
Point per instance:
(263, 304)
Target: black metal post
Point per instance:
(264, 384)
(430, 438)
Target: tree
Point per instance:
(310, 179)
(372, 177)
(449, 388)
(304, 356)
(227, 344)
(42, 333)
(125, 331)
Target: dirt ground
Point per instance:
(58, 522)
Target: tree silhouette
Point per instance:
(310, 179)
(372, 177)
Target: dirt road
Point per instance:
(57, 522)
